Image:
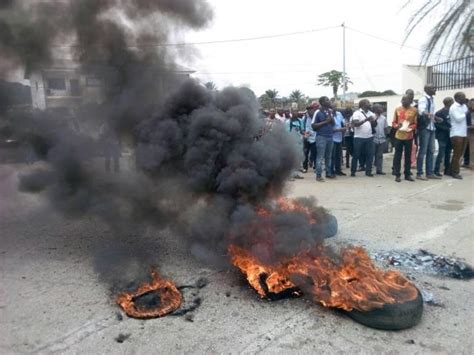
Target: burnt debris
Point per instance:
(425, 261)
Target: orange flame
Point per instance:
(170, 298)
(352, 282)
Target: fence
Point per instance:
(455, 74)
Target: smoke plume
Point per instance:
(201, 164)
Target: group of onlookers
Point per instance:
(322, 131)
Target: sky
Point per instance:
(294, 62)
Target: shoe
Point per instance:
(438, 174)
(421, 177)
(341, 173)
(397, 179)
(320, 179)
(353, 174)
(457, 176)
(433, 177)
(409, 178)
(381, 173)
(369, 175)
(331, 176)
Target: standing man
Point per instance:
(111, 145)
(426, 133)
(404, 122)
(270, 121)
(322, 123)
(338, 132)
(309, 141)
(458, 132)
(348, 135)
(294, 125)
(363, 121)
(380, 138)
(443, 126)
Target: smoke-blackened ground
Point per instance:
(53, 301)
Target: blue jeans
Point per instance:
(324, 150)
(425, 151)
(336, 158)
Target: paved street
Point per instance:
(53, 300)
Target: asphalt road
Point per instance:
(53, 300)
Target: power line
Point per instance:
(232, 40)
(389, 41)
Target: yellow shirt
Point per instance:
(405, 114)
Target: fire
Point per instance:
(350, 281)
(170, 298)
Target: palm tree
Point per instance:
(265, 101)
(272, 95)
(210, 86)
(334, 79)
(456, 25)
(296, 95)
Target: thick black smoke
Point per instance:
(202, 164)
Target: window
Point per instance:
(57, 84)
(75, 88)
(91, 81)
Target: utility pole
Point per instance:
(343, 63)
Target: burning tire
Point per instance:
(170, 298)
(395, 316)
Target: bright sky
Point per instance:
(294, 62)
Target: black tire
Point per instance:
(327, 228)
(395, 316)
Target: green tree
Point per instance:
(298, 97)
(265, 101)
(370, 93)
(272, 95)
(211, 86)
(335, 79)
(454, 24)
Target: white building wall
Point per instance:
(395, 100)
(38, 92)
(414, 77)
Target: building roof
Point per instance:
(68, 64)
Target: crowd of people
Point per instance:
(322, 131)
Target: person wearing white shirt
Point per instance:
(426, 134)
(458, 131)
(363, 121)
(380, 138)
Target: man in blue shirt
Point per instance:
(322, 123)
(338, 132)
